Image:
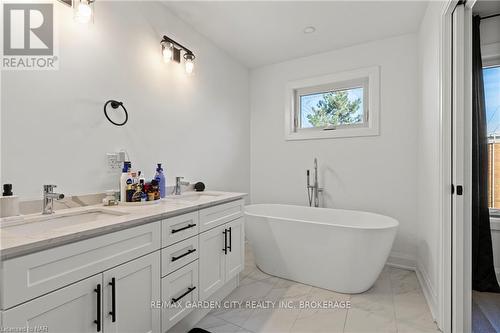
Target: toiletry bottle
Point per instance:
(160, 177)
(130, 192)
(125, 180)
(9, 203)
(141, 177)
(137, 196)
(135, 180)
(155, 189)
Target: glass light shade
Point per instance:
(189, 66)
(83, 12)
(167, 52)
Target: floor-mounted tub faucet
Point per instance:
(48, 198)
(314, 190)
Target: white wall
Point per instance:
(368, 173)
(429, 122)
(54, 129)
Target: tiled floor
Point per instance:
(394, 304)
(485, 312)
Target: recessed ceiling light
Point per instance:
(309, 30)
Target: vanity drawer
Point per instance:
(220, 214)
(180, 286)
(179, 228)
(36, 274)
(178, 255)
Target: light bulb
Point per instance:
(83, 12)
(167, 51)
(189, 66)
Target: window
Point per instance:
(491, 76)
(333, 106)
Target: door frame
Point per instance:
(455, 257)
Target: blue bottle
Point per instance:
(160, 177)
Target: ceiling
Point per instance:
(486, 7)
(258, 33)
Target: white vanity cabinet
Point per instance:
(112, 283)
(178, 288)
(70, 309)
(221, 256)
(212, 261)
(96, 305)
(235, 259)
(129, 290)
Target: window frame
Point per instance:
(491, 58)
(367, 78)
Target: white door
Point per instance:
(136, 284)
(461, 168)
(212, 260)
(72, 309)
(235, 258)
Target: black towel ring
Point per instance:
(115, 105)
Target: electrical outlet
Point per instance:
(115, 162)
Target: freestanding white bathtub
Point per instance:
(340, 250)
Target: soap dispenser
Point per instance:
(9, 203)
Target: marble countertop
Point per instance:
(18, 238)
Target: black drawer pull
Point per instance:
(230, 239)
(113, 300)
(98, 320)
(183, 228)
(183, 255)
(175, 300)
(225, 241)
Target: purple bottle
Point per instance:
(160, 177)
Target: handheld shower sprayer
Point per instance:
(313, 190)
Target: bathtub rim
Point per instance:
(394, 224)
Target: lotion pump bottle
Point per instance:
(125, 180)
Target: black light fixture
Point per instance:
(171, 51)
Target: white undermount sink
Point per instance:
(195, 196)
(56, 222)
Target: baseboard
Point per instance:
(401, 260)
(404, 261)
(429, 293)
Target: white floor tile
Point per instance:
(394, 304)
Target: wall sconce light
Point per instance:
(84, 10)
(171, 51)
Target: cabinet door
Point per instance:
(235, 258)
(136, 285)
(211, 261)
(72, 309)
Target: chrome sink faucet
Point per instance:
(314, 190)
(178, 184)
(48, 199)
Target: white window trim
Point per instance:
(491, 58)
(372, 104)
